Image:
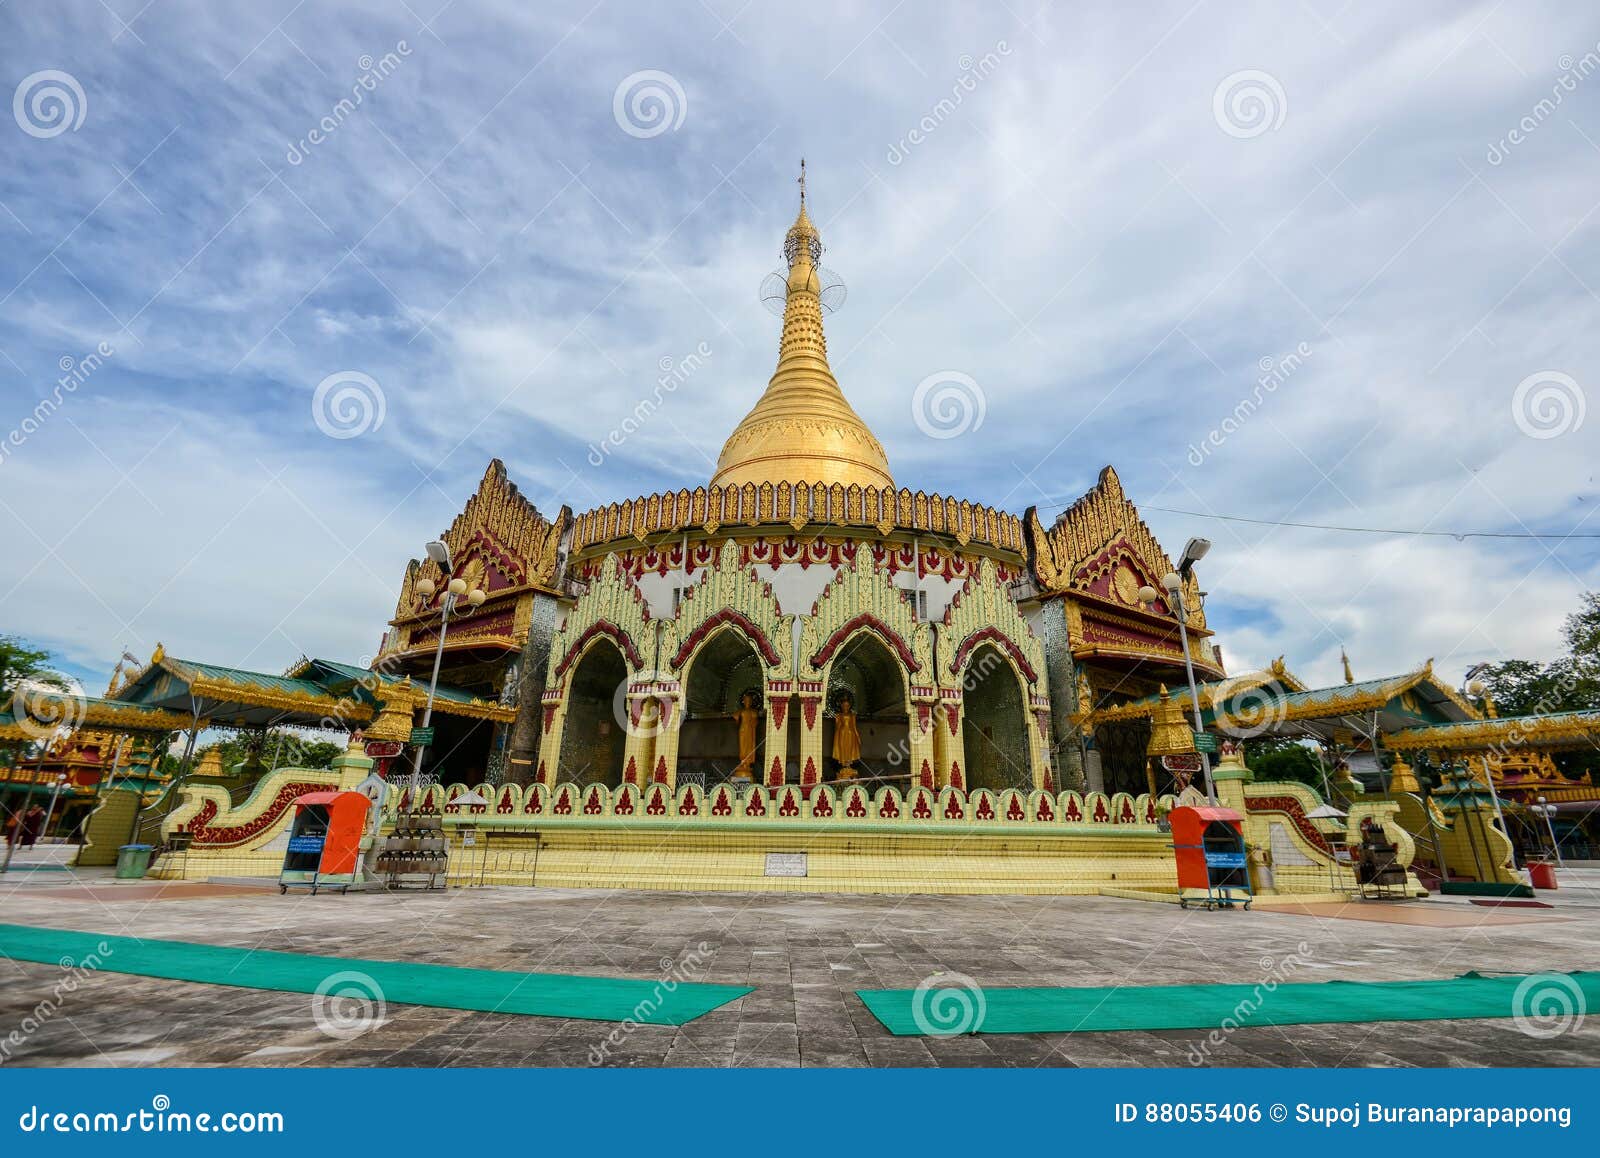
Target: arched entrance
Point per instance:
(994, 734)
(868, 674)
(724, 669)
(592, 738)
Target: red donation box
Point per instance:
(325, 840)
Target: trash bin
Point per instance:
(1542, 873)
(132, 861)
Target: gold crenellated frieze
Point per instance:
(705, 509)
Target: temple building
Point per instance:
(967, 645)
(806, 658)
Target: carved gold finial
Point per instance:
(159, 654)
(1349, 676)
(802, 180)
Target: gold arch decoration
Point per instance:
(983, 612)
(728, 597)
(614, 609)
(862, 599)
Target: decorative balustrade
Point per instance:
(510, 805)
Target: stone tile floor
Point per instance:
(806, 955)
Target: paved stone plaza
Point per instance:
(804, 954)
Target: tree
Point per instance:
(1284, 758)
(21, 662)
(261, 751)
(1522, 687)
(1582, 635)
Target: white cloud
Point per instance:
(1079, 236)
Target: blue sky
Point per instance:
(1113, 223)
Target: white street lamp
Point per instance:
(1547, 810)
(1472, 686)
(1193, 551)
(62, 779)
(439, 552)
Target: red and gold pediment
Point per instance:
(499, 543)
(1116, 573)
(1100, 547)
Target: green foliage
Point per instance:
(1284, 758)
(259, 752)
(1521, 687)
(19, 662)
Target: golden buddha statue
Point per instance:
(749, 717)
(846, 738)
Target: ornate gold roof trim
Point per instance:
(1231, 686)
(797, 505)
(507, 520)
(344, 709)
(1088, 527)
(1560, 729)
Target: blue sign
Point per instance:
(305, 844)
(1225, 860)
(211, 1113)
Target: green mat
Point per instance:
(964, 1009)
(663, 1001)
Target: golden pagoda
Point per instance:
(802, 429)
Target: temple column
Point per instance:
(923, 760)
(776, 746)
(532, 672)
(665, 768)
(949, 741)
(1039, 742)
(554, 724)
(645, 723)
(810, 704)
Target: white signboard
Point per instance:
(786, 864)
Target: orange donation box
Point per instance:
(1209, 843)
(325, 840)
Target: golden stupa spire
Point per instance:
(802, 429)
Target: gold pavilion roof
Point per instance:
(802, 428)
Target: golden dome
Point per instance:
(802, 429)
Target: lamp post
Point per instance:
(1472, 686)
(62, 779)
(455, 588)
(1547, 810)
(1193, 551)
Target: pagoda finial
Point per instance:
(802, 430)
(1349, 676)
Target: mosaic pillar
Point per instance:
(533, 669)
